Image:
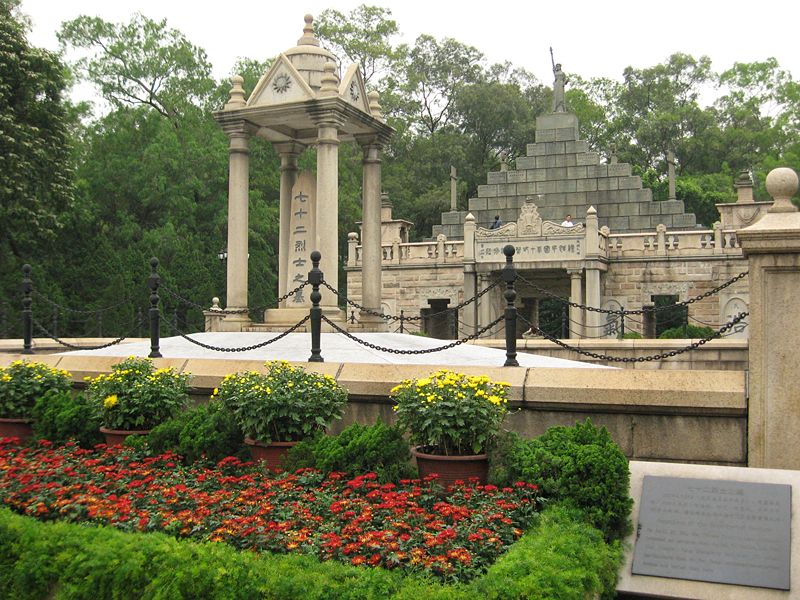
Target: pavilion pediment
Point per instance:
(280, 85)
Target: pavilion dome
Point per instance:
(308, 57)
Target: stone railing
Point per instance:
(661, 242)
(440, 251)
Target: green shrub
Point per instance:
(23, 382)
(208, 431)
(59, 417)
(632, 335)
(358, 449)
(583, 466)
(686, 332)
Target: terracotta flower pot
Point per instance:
(272, 454)
(18, 428)
(115, 437)
(451, 468)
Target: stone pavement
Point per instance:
(336, 347)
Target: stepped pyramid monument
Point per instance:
(624, 250)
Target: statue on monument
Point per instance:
(559, 83)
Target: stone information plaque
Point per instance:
(718, 531)
(539, 250)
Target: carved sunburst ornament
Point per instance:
(282, 83)
(354, 93)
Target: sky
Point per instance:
(591, 39)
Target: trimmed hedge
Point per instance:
(563, 558)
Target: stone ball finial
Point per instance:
(330, 82)
(237, 93)
(352, 236)
(215, 304)
(374, 105)
(782, 185)
(308, 38)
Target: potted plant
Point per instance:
(135, 397)
(278, 408)
(21, 384)
(452, 418)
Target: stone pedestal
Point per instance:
(772, 247)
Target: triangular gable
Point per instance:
(353, 90)
(282, 83)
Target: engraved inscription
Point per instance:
(539, 250)
(718, 531)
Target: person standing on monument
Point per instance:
(497, 223)
(567, 222)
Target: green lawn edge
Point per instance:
(561, 558)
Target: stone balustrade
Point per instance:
(661, 243)
(441, 251)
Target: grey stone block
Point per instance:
(558, 148)
(608, 210)
(496, 177)
(570, 160)
(666, 220)
(619, 170)
(436, 230)
(561, 160)
(650, 208)
(556, 173)
(643, 195)
(685, 220)
(618, 224)
(545, 187)
(599, 171)
(526, 162)
(576, 172)
(477, 204)
(545, 162)
(451, 218)
(515, 176)
(628, 210)
(586, 185)
(498, 203)
(557, 199)
(622, 196)
(575, 198)
(535, 149)
(566, 134)
(507, 189)
(656, 220)
(545, 135)
(577, 146)
(566, 185)
(628, 183)
(589, 158)
(603, 183)
(672, 207)
(487, 191)
(526, 189)
(639, 223)
(536, 174)
(606, 196)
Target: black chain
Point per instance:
(221, 311)
(41, 296)
(636, 311)
(694, 346)
(243, 348)
(386, 317)
(74, 346)
(473, 336)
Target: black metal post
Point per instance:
(352, 317)
(315, 278)
(153, 282)
(402, 316)
(27, 312)
(510, 276)
(622, 322)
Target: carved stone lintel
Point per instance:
(507, 230)
(551, 228)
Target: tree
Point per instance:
(36, 187)
(141, 63)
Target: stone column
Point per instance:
(484, 302)
(470, 316)
(289, 152)
(238, 215)
(592, 320)
(576, 296)
(371, 250)
(327, 217)
(772, 247)
(671, 174)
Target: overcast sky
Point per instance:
(592, 39)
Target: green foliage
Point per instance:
(580, 465)
(136, 395)
(686, 332)
(451, 413)
(358, 449)
(206, 432)
(285, 404)
(22, 383)
(60, 416)
(632, 335)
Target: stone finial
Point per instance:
(782, 185)
(744, 188)
(591, 211)
(503, 162)
(215, 304)
(308, 38)
(375, 106)
(661, 228)
(330, 82)
(352, 236)
(605, 230)
(385, 200)
(237, 93)
(612, 154)
(469, 217)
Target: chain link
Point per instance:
(386, 317)
(41, 296)
(74, 346)
(625, 359)
(639, 311)
(464, 340)
(292, 329)
(239, 311)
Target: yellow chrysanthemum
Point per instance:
(111, 401)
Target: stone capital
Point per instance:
(289, 148)
(238, 128)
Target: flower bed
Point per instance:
(358, 521)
